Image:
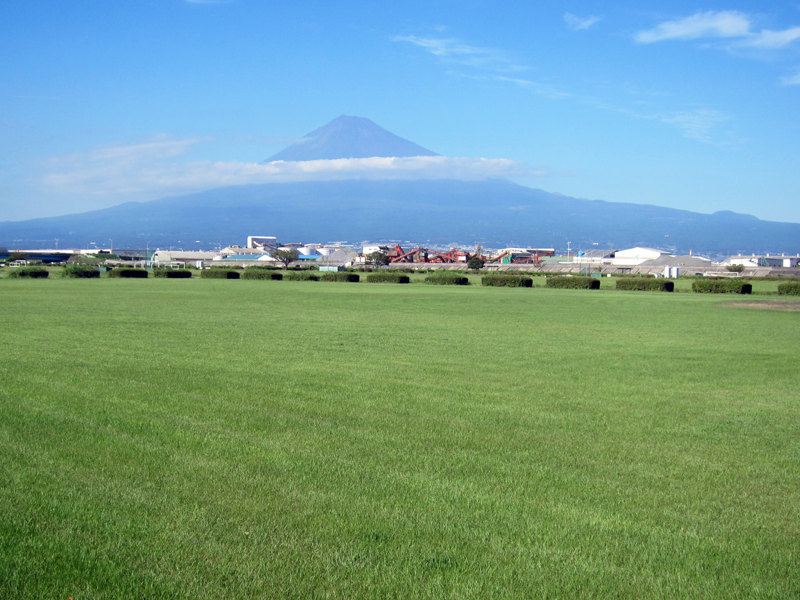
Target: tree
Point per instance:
(285, 256)
(735, 268)
(16, 256)
(475, 263)
(378, 259)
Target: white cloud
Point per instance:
(578, 24)
(724, 24)
(791, 79)
(699, 124)
(767, 38)
(453, 50)
(149, 170)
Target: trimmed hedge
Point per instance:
(81, 272)
(388, 278)
(172, 274)
(574, 283)
(261, 274)
(646, 285)
(721, 286)
(302, 276)
(333, 276)
(29, 272)
(447, 280)
(129, 273)
(507, 281)
(219, 274)
(789, 289)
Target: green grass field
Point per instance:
(258, 439)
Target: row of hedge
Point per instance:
(388, 278)
(789, 289)
(262, 274)
(447, 280)
(172, 274)
(573, 283)
(708, 286)
(721, 286)
(126, 273)
(80, 272)
(646, 285)
(506, 281)
(29, 272)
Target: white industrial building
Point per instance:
(763, 260)
(596, 257)
(636, 256)
(261, 242)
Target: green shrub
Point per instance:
(573, 283)
(475, 263)
(128, 273)
(80, 271)
(261, 274)
(331, 276)
(646, 285)
(721, 286)
(789, 289)
(302, 276)
(388, 278)
(447, 279)
(172, 274)
(735, 268)
(507, 281)
(29, 272)
(219, 274)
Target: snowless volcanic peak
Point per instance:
(350, 137)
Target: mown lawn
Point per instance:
(259, 439)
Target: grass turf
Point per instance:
(216, 439)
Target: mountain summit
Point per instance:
(350, 137)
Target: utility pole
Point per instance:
(568, 249)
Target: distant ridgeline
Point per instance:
(495, 213)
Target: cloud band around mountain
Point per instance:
(145, 170)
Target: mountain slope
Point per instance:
(495, 213)
(349, 137)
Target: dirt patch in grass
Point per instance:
(789, 305)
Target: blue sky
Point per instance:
(678, 104)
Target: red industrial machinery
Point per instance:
(426, 255)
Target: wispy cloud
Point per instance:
(724, 24)
(579, 24)
(452, 50)
(730, 24)
(699, 124)
(791, 79)
(767, 38)
(149, 170)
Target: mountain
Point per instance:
(349, 137)
(496, 213)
